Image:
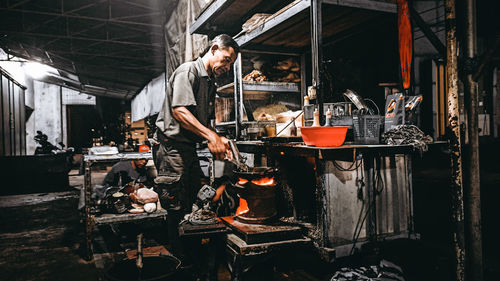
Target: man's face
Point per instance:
(140, 163)
(222, 59)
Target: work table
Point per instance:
(333, 187)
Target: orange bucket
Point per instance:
(324, 136)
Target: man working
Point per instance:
(183, 122)
(124, 172)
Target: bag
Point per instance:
(394, 111)
(412, 110)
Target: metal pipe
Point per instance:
(474, 245)
(237, 101)
(456, 188)
(316, 51)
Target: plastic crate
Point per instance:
(366, 129)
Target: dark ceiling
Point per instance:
(103, 47)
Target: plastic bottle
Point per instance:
(316, 118)
(306, 100)
(293, 129)
(328, 121)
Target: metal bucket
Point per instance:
(260, 198)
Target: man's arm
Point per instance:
(112, 177)
(216, 144)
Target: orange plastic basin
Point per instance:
(324, 136)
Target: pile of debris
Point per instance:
(407, 134)
(386, 271)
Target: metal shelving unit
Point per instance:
(299, 28)
(91, 220)
(292, 29)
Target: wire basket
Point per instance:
(366, 129)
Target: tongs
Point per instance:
(236, 157)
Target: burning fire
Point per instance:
(261, 182)
(264, 181)
(243, 207)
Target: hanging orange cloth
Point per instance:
(405, 41)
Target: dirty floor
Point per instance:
(41, 236)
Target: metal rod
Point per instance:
(474, 245)
(456, 188)
(24, 11)
(158, 45)
(316, 51)
(237, 101)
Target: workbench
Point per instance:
(351, 195)
(92, 220)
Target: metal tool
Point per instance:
(236, 158)
(358, 101)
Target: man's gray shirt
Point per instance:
(191, 87)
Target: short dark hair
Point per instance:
(223, 41)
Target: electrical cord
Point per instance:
(361, 217)
(378, 186)
(354, 166)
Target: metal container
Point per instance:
(258, 187)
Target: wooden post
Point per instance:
(456, 191)
(473, 233)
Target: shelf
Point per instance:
(227, 16)
(128, 217)
(118, 157)
(264, 87)
(290, 28)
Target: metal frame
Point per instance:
(78, 38)
(90, 220)
(370, 152)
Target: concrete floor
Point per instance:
(41, 235)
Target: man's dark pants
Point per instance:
(178, 181)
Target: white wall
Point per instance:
(150, 100)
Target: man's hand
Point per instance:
(218, 146)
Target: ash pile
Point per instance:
(385, 271)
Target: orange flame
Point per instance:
(242, 181)
(264, 181)
(243, 207)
